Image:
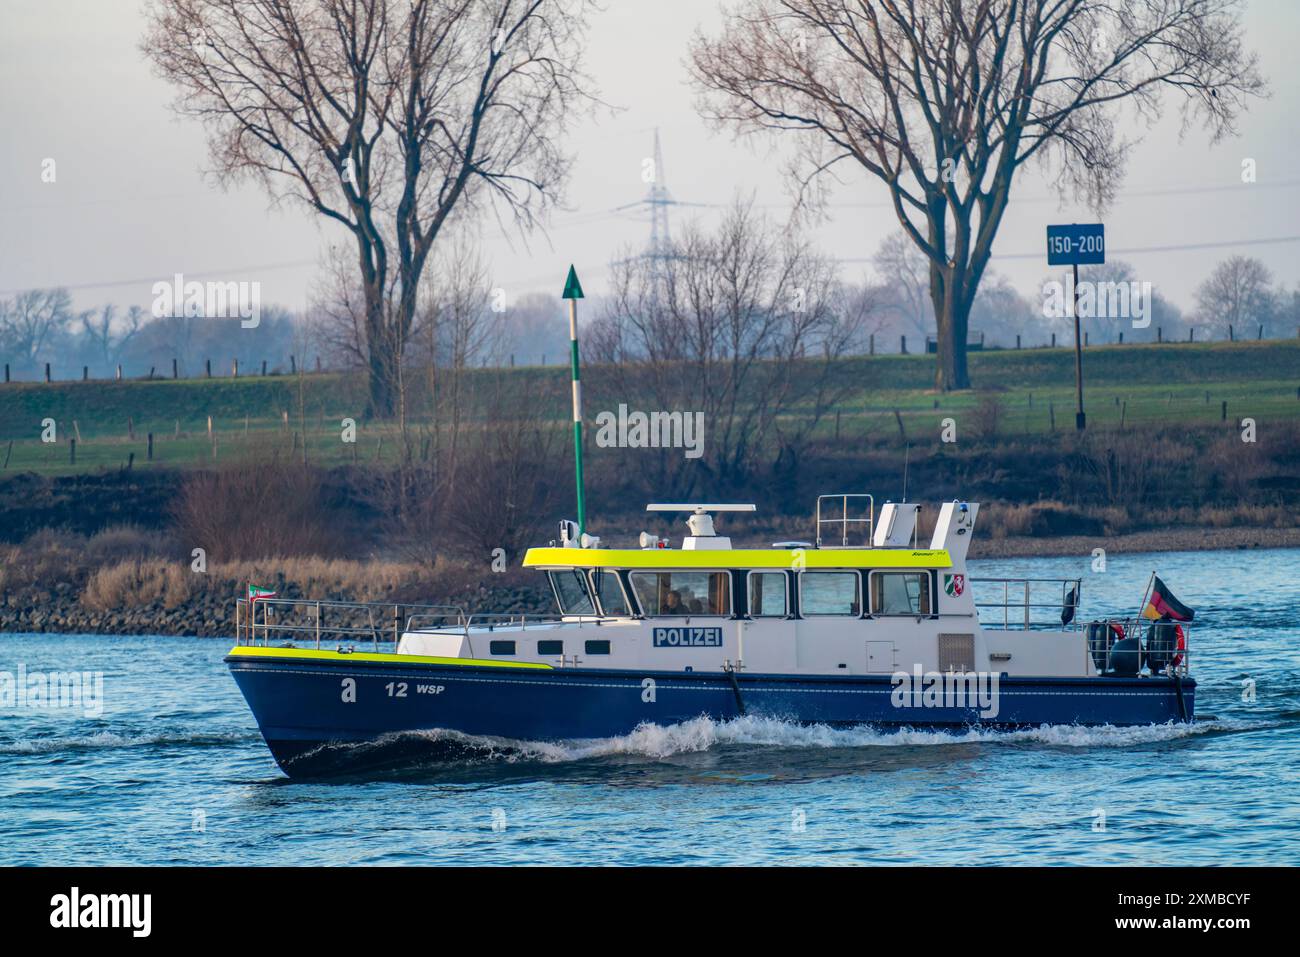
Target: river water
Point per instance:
(168, 768)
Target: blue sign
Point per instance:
(1076, 245)
(688, 636)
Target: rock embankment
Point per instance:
(207, 614)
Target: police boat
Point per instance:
(858, 627)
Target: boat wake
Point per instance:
(704, 734)
(105, 740)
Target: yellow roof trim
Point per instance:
(324, 654)
(737, 558)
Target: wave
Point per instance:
(703, 734)
(110, 739)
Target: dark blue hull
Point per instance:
(326, 716)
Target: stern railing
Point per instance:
(1023, 603)
(261, 620)
(1154, 655)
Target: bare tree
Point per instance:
(944, 100)
(32, 321)
(905, 271)
(455, 330)
(108, 336)
(742, 325)
(1237, 294)
(389, 117)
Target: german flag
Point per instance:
(1163, 603)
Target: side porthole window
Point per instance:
(501, 647)
(597, 647)
(550, 647)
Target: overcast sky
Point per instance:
(130, 205)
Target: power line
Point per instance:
(269, 267)
(1181, 247)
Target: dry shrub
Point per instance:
(1133, 470)
(258, 510)
(137, 583)
(118, 543)
(986, 417)
(503, 499)
(1043, 519)
(335, 579)
(45, 558)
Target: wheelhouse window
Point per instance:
(606, 585)
(829, 593)
(900, 593)
(571, 592)
(683, 593)
(767, 595)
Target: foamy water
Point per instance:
(174, 771)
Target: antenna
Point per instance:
(907, 455)
(698, 508)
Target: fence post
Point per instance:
(72, 451)
(1160, 333)
(85, 373)
(1017, 340)
(872, 344)
(47, 372)
(1231, 337)
(234, 368)
(293, 365)
(174, 368)
(1053, 340)
(119, 372)
(207, 368)
(6, 372)
(1223, 416)
(903, 345)
(263, 367)
(150, 451)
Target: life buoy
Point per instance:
(1181, 646)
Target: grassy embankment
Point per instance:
(1170, 385)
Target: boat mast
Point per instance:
(573, 292)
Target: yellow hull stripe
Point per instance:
(314, 654)
(735, 558)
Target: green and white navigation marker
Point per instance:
(573, 292)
